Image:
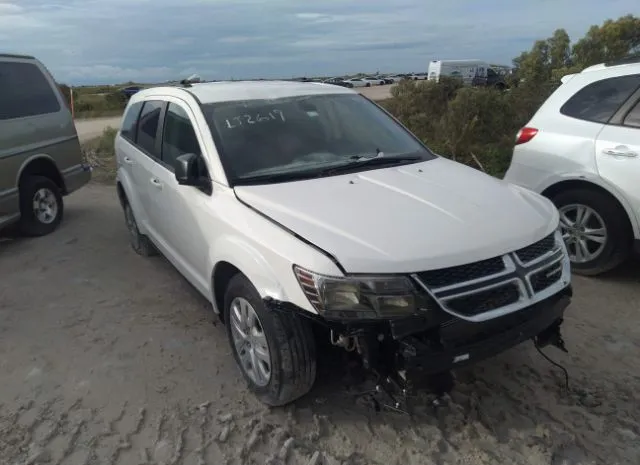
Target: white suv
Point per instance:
(292, 206)
(582, 150)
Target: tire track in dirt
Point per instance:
(115, 361)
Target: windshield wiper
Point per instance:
(356, 162)
(274, 178)
(359, 162)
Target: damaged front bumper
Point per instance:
(458, 343)
(411, 349)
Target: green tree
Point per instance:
(613, 40)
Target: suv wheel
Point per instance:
(140, 243)
(275, 351)
(595, 230)
(41, 206)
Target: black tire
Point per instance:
(31, 224)
(368, 84)
(618, 243)
(291, 346)
(140, 243)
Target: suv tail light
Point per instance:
(525, 135)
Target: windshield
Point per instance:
(303, 136)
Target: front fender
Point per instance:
(251, 262)
(124, 179)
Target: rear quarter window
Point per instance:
(25, 91)
(598, 101)
(130, 122)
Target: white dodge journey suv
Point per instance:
(292, 205)
(582, 150)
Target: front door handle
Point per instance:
(620, 151)
(128, 160)
(155, 182)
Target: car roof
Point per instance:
(225, 91)
(17, 56)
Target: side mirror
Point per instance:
(187, 172)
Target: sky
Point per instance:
(114, 41)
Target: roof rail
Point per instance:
(625, 61)
(13, 55)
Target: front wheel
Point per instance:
(595, 230)
(140, 243)
(275, 351)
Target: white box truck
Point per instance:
(472, 72)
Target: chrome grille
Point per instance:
(540, 280)
(536, 250)
(490, 288)
(487, 300)
(456, 274)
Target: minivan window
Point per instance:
(302, 134)
(179, 136)
(25, 91)
(598, 101)
(128, 129)
(148, 126)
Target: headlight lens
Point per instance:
(361, 297)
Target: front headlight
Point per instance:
(361, 297)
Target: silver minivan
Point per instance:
(40, 156)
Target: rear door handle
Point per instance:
(620, 151)
(128, 160)
(155, 182)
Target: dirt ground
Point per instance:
(110, 358)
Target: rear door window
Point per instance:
(147, 130)
(598, 101)
(25, 91)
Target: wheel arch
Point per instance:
(240, 257)
(41, 165)
(568, 184)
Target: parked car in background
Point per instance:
(374, 81)
(582, 150)
(417, 76)
(40, 156)
(296, 206)
(394, 78)
(131, 90)
(338, 82)
(358, 82)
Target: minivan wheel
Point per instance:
(595, 230)
(140, 243)
(275, 351)
(41, 206)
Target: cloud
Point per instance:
(87, 41)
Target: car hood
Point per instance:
(416, 217)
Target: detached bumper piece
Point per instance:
(458, 343)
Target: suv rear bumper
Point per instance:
(76, 176)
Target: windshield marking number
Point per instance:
(273, 115)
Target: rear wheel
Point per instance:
(41, 206)
(275, 351)
(595, 230)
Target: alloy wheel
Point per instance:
(584, 232)
(250, 342)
